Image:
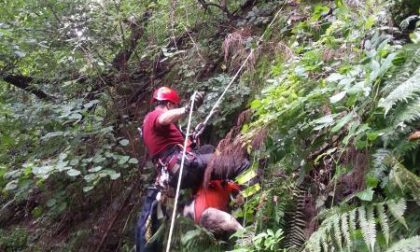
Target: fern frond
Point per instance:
(406, 245)
(411, 53)
(383, 221)
(406, 90)
(342, 226)
(316, 246)
(381, 162)
(337, 232)
(324, 241)
(397, 209)
(319, 238)
(406, 180)
(352, 220)
(405, 146)
(295, 225)
(199, 239)
(410, 113)
(368, 228)
(372, 226)
(345, 230)
(313, 244)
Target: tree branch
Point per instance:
(23, 82)
(137, 31)
(223, 8)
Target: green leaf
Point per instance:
(337, 97)
(375, 66)
(372, 135)
(387, 64)
(255, 104)
(370, 21)
(90, 177)
(90, 104)
(335, 77)
(342, 122)
(133, 161)
(124, 142)
(20, 54)
(51, 202)
(12, 174)
(366, 195)
(75, 116)
(73, 172)
(12, 185)
(323, 122)
(111, 173)
(415, 37)
(52, 134)
(95, 169)
(42, 171)
(87, 188)
(123, 159)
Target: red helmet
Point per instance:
(166, 94)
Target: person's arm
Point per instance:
(171, 116)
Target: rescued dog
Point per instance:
(210, 207)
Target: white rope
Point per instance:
(216, 104)
(181, 169)
(227, 87)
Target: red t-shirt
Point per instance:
(215, 196)
(158, 137)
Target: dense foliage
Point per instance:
(339, 113)
(334, 86)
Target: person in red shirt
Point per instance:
(164, 140)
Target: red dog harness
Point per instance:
(215, 196)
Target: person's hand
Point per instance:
(198, 131)
(198, 101)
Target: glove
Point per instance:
(198, 101)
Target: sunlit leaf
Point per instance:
(124, 142)
(73, 172)
(338, 97)
(133, 161)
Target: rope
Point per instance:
(181, 169)
(216, 104)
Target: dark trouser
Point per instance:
(148, 223)
(195, 166)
